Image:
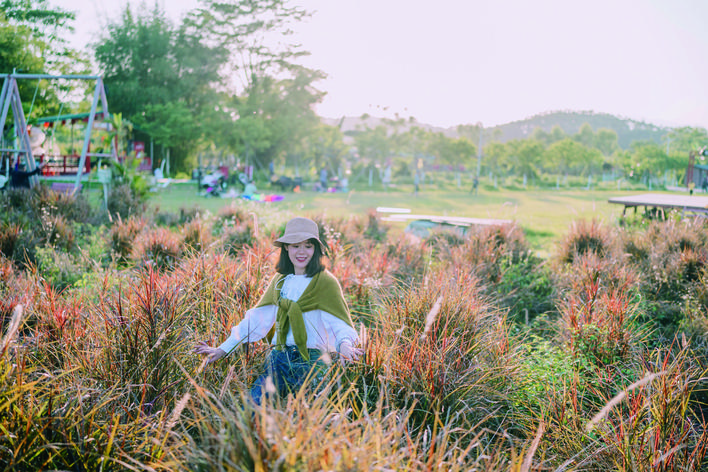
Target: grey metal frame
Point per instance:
(10, 96)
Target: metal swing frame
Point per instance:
(10, 97)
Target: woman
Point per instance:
(302, 314)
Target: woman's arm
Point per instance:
(255, 326)
(346, 338)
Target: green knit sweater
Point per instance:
(323, 293)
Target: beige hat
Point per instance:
(298, 230)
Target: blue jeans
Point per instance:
(288, 370)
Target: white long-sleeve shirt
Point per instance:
(324, 330)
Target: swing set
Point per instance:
(22, 149)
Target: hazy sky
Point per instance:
(453, 62)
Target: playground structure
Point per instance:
(24, 143)
(697, 174)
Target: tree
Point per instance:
(271, 96)
(647, 158)
(453, 152)
(686, 139)
(324, 147)
(161, 78)
(606, 141)
(373, 144)
(556, 134)
(585, 135)
(31, 41)
(493, 157)
(254, 32)
(524, 157)
(471, 132)
(571, 157)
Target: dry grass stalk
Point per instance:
(12, 329)
(619, 398)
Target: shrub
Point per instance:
(166, 218)
(236, 237)
(197, 236)
(598, 310)
(585, 237)
(233, 215)
(188, 214)
(60, 269)
(159, 247)
(411, 258)
(526, 288)
(440, 346)
(650, 425)
(487, 246)
(145, 331)
(15, 289)
(9, 235)
(676, 254)
(58, 232)
(72, 207)
(123, 235)
(123, 202)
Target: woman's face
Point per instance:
(300, 255)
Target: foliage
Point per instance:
(158, 248)
(33, 40)
(60, 269)
(585, 237)
(197, 235)
(159, 78)
(124, 202)
(102, 367)
(123, 234)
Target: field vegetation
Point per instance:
(479, 354)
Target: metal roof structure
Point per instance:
(692, 203)
(69, 117)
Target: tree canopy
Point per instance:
(32, 41)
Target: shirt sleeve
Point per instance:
(255, 325)
(340, 330)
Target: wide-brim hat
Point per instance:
(298, 230)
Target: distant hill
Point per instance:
(627, 130)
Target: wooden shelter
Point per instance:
(662, 202)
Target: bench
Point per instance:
(64, 187)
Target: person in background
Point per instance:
(20, 178)
(302, 314)
(323, 179)
(386, 179)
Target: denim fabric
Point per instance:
(288, 370)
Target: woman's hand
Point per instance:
(213, 353)
(348, 352)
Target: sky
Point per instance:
(452, 62)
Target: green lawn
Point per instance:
(544, 214)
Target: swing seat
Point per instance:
(65, 187)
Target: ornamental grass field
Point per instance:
(478, 353)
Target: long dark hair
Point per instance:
(285, 265)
